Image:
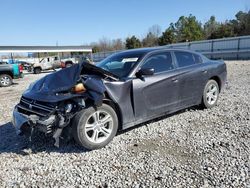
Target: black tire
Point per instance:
(83, 117)
(5, 80)
(69, 64)
(207, 101)
(37, 70)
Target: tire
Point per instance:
(37, 70)
(210, 94)
(68, 65)
(5, 80)
(94, 136)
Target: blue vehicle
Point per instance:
(8, 72)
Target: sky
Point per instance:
(80, 22)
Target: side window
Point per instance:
(159, 62)
(197, 58)
(184, 59)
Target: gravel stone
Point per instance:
(192, 148)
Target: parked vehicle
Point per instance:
(93, 102)
(51, 63)
(65, 63)
(8, 72)
(44, 64)
(24, 64)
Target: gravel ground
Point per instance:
(192, 148)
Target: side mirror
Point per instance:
(145, 72)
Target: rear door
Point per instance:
(191, 75)
(156, 94)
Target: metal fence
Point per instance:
(226, 48)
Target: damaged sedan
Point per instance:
(92, 103)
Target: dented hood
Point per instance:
(53, 87)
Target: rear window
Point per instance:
(197, 58)
(186, 59)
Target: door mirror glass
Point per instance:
(145, 72)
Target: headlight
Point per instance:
(68, 108)
(79, 88)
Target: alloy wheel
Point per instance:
(212, 94)
(99, 126)
(5, 80)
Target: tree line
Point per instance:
(186, 29)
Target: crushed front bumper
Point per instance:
(25, 123)
(19, 121)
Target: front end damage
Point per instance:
(50, 104)
(49, 118)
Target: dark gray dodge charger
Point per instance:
(92, 103)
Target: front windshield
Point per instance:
(120, 64)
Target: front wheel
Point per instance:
(37, 70)
(5, 80)
(210, 94)
(93, 128)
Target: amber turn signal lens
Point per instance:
(79, 88)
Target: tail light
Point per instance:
(20, 68)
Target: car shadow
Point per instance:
(12, 143)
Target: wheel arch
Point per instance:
(217, 79)
(8, 73)
(68, 62)
(38, 67)
(116, 108)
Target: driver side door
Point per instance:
(156, 94)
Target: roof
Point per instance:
(23, 49)
(144, 51)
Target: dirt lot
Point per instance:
(191, 148)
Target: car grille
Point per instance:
(29, 107)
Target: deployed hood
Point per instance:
(53, 87)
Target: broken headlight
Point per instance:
(68, 107)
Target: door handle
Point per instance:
(175, 80)
(204, 71)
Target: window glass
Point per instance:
(184, 59)
(197, 58)
(159, 62)
(120, 64)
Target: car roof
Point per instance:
(144, 51)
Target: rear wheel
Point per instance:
(5, 80)
(210, 94)
(69, 64)
(95, 128)
(37, 70)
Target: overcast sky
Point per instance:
(77, 22)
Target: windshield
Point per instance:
(120, 64)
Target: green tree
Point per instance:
(133, 42)
(210, 27)
(241, 24)
(150, 40)
(188, 29)
(224, 30)
(168, 36)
